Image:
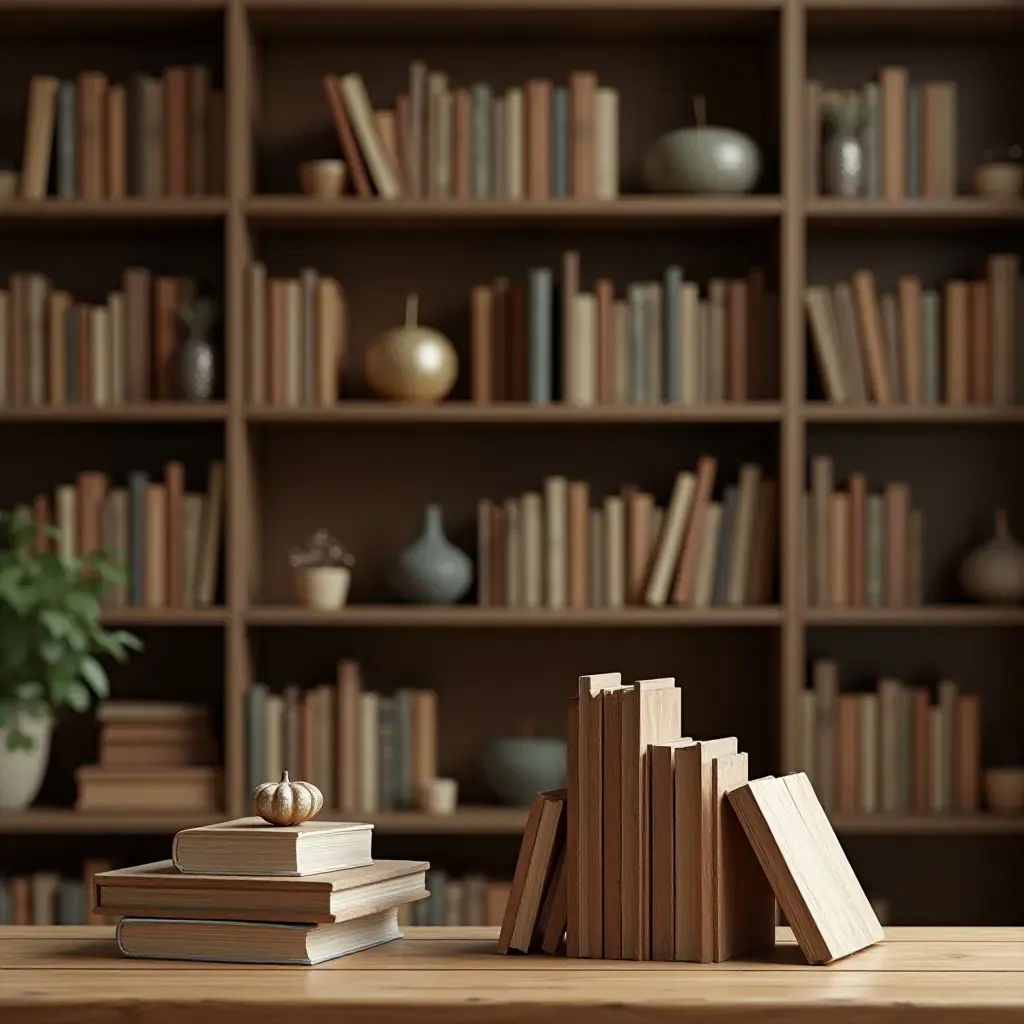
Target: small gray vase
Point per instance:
(432, 570)
(198, 370)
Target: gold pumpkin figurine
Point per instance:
(286, 802)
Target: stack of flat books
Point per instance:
(248, 892)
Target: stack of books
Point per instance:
(247, 892)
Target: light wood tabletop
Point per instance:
(453, 976)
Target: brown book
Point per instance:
(349, 686)
(42, 515)
(857, 538)
(553, 913)
(736, 319)
(57, 354)
(346, 138)
(939, 140)
(174, 479)
(39, 134)
(198, 115)
(894, 83)
(869, 322)
(481, 326)
(683, 588)
(604, 291)
(897, 520)
(386, 124)
(538, 92)
(839, 548)
(639, 541)
(921, 750)
(958, 332)
(90, 142)
(90, 869)
(83, 353)
(582, 96)
(91, 487)
(574, 931)
(138, 304)
(419, 112)
(578, 508)
(277, 289)
(165, 337)
(156, 546)
(967, 747)
(1004, 284)
(161, 890)
(516, 348)
(911, 338)
(980, 390)
(611, 792)
(117, 142)
(195, 789)
(176, 131)
(461, 132)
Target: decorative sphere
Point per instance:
(703, 159)
(412, 363)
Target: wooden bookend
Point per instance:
(694, 826)
(812, 879)
(744, 904)
(535, 868)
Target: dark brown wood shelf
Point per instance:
(471, 616)
(981, 824)
(930, 615)
(166, 616)
(871, 214)
(148, 412)
(128, 212)
(827, 412)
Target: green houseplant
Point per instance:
(51, 640)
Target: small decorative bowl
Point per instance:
(323, 179)
(703, 159)
(517, 768)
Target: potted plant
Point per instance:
(51, 640)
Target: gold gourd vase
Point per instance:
(412, 363)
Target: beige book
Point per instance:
(555, 518)
(360, 112)
(293, 342)
(531, 530)
(670, 540)
(368, 747)
(704, 578)
(515, 148)
(743, 533)
(810, 875)
(39, 123)
(193, 789)
(620, 352)
(894, 83)
(615, 550)
(156, 546)
(118, 348)
(939, 139)
(689, 343)
(818, 303)
(100, 370)
(512, 562)
(717, 341)
(583, 386)
(606, 143)
(844, 319)
(868, 734)
(65, 501)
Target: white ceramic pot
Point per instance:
(22, 771)
(324, 588)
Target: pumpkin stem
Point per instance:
(284, 778)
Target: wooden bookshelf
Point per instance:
(366, 468)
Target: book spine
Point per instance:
(673, 347)
(65, 142)
(560, 142)
(481, 100)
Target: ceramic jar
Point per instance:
(432, 570)
(994, 572)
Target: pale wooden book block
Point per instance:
(744, 904)
(611, 854)
(694, 933)
(663, 850)
(806, 866)
(651, 713)
(589, 824)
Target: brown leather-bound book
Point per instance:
(83, 353)
(156, 546)
(330, 339)
(419, 108)
(639, 516)
(847, 749)
(578, 511)
(980, 390)
(762, 556)
(911, 338)
(138, 304)
(967, 746)
(920, 752)
(894, 83)
(897, 520)
(736, 333)
(481, 325)
(117, 142)
(939, 140)
(516, 349)
(869, 323)
(165, 298)
(1003, 285)
(839, 548)
(604, 290)
(424, 743)
(91, 487)
(346, 138)
(499, 341)
(174, 480)
(538, 138)
(958, 332)
(461, 110)
(90, 152)
(176, 131)
(682, 588)
(38, 147)
(198, 115)
(857, 538)
(277, 289)
(57, 344)
(582, 95)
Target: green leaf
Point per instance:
(29, 691)
(95, 675)
(58, 624)
(78, 696)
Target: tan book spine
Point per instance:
(256, 331)
(967, 718)
(117, 142)
(981, 377)
(578, 505)
(402, 126)
(176, 132)
(99, 367)
(191, 524)
(424, 744)
(497, 550)
(668, 539)
(858, 538)
(897, 516)
(911, 338)
(39, 133)
(839, 548)
(481, 325)
(90, 151)
(91, 488)
(118, 348)
(137, 284)
(582, 101)
(741, 541)
(148, 135)
(736, 328)
(83, 352)
(958, 332)
(348, 728)
(461, 118)
(606, 143)
(346, 138)
(309, 337)
(418, 101)
(847, 749)
(57, 355)
(329, 339)
(538, 138)
(683, 587)
(894, 83)
(869, 322)
(386, 124)
(614, 573)
(276, 331)
(939, 140)
(198, 109)
(604, 289)
(156, 546)
(293, 342)
(555, 527)
(511, 560)
(174, 481)
(639, 515)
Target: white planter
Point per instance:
(323, 588)
(22, 771)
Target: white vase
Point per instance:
(324, 588)
(22, 771)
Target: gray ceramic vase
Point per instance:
(516, 768)
(703, 159)
(432, 570)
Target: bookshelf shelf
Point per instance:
(873, 214)
(149, 412)
(981, 415)
(928, 824)
(641, 212)
(518, 413)
(110, 213)
(166, 616)
(469, 616)
(934, 615)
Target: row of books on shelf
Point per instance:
(365, 751)
(442, 141)
(56, 350)
(908, 132)
(658, 342)
(153, 756)
(551, 548)
(170, 538)
(897, 748)
(158, 136)
(915, 345)
(862, 549)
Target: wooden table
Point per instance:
(453, 976)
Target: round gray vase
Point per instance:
(432, 570)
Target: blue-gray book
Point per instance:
(723, 557)
(540, 303)
(64, 139)
(673, 342)
(560, 142)
(481, 148)
(137, 482)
